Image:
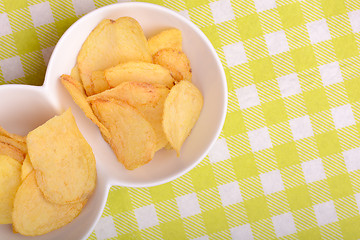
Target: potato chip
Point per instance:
(181, 110)
(169, 38)
(139, 72)
(26, 167)
(147, 98)
(62, 159)
(110, 43)
(132, 137)
(11, 151)
(10, 171)
(99, 81)
(176, 61)
(77, 93)
(16, 137)
(33, 215)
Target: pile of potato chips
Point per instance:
(138, 91)
(46, 178)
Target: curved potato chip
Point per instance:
(133, 139)
(78, 95)
(169, 38)
(181, 110)
(139, 72)
(10, 171)
(19, 145)
(62, 159)
(26, 167)
(176, 61)
(33, 215)
(110, 43)
(16, 137)
(11, 151)
(99, 81)
(147, 98)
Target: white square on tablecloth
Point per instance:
(313, 170)
(222, 11)
(318, 31)
(242, 232)
(354, 17)
(105, 228)
(5, 27)
(325, 213)
(247, 96)
(259, 139)
(146, 216)
(272, 182)
(219, 151)
(235, 54)
(188, 205)
(12, 68)
(230, 193)
(352, 159)
(330, 73)
(262, 5)
(301, 127)
(289, 85)
(284, 224)
(83, 6)
(276, 42)
(357, 199)
(41, 14)
(343, 116)
(46, 52)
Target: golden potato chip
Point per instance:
(169, 38)
(99, 81)
(10, 171)
(16, 137)
(26, 167)
(76, 91)
(62, 159)
(110, 43)
(139, 72)
(76, 79)
(33, 215)
(11, 151)
(147, 98)
(19, 145)
(176, 61)
(133, 139)
(181, 110)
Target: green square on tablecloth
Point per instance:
(350, 228)
(316, 100)
(215, 220)
(274, 111)
(333, 7)
(173, 230)
(212, 33)
(162, 192)
(262, 69)
(26, 41)
(328, 143)
(304, 58)
(298, 197)
(340, 186)
(353, 88)
(203, 177)
(345, 46)
(119, 200)
(286, 154)
(234, 124)
(245, 166)
(256, 209)
(249, 26)
(63, 25)
(312, 233)
(197, 3)
(11, 5)
(291, 15)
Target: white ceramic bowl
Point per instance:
(23, 108)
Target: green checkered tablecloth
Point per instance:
(287, 163)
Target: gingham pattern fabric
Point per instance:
(287, 163)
